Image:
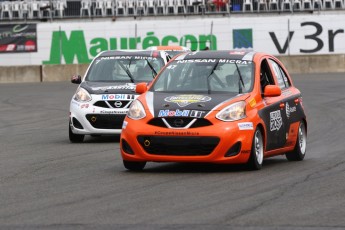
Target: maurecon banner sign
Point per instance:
(18, 38)
(77, 42)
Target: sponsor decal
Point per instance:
(84, 106)
(177, 133)
(118, 97)
(130, 86)
(198, 61)
(173, 113)
(245, 151)
(241, 62)
(245, 126)
(237, 52)
(124, 124)
(196, 113)
(127, 58)
(184, 100)
(180, 113)
(232, 61)
(289, 109)
(276, 121)
(112, 112)
(252, 102)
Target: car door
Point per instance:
(273, 113)
(291, 108)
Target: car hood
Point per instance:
(185, 105)
(109, 87)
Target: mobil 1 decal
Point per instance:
(181, 113)
(185, 105)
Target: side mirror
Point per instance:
(141, 88)
(272, 91)
(76, 79)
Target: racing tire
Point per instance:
(300, 149)
(134, 165)
(257, 152)
(75, 138)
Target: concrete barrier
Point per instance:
(12, 74)
(62, 72)
(49, 73)
(314, 63)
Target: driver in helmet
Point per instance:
(246, 74)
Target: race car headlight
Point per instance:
(233, 112)
(136, 111)
(82, 95)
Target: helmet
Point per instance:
(246, 74)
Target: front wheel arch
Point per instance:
(263, 132)
(256, 157)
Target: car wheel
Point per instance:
(301, 145)
(257, 153)
(74, 138)
(134, 165)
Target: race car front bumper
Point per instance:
(219, 143)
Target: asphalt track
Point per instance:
(48, 183)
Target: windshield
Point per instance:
(210, 75)
(124, 69)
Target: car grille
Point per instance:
(106, 121)
(178, 146)
(177, 122)
(113, 104)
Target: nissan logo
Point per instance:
(178, 122)
(118, 104)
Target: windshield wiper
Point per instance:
(208, 82)
(127, 71)
(240, 80)
(153, 69)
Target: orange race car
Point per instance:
(228, 107)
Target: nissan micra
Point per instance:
(105, 93)
(226, 107)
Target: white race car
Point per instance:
(107, 89)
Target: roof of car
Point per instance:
(226, 54)
(143, 53)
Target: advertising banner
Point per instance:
(78, 42)
(18, 38)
